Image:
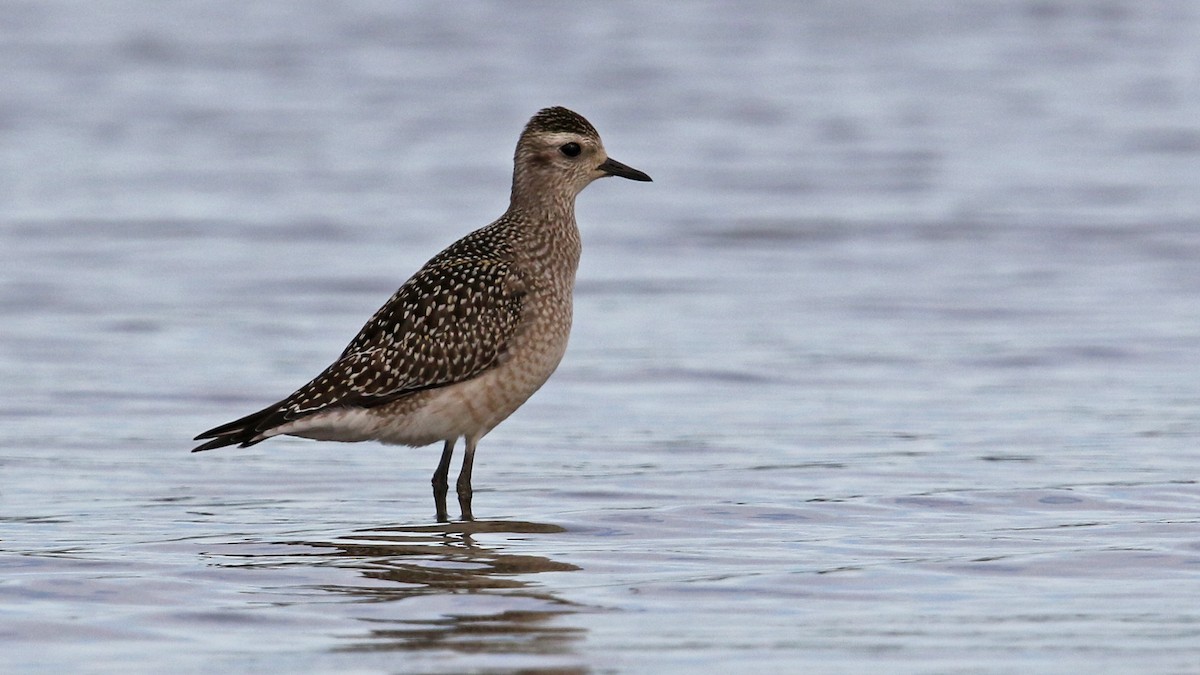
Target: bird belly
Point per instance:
(471, 408)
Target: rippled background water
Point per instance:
(894, 366)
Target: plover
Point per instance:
(473, 334)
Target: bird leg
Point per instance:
(441, 482)
(464, 479)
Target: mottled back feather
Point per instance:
(450, 322)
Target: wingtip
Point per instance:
(242, 430)
(211, 445)
(216, 442)
(225, 441)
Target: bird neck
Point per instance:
(550, 211)
(550, 246)
(532, 196)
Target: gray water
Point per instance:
(894, 367)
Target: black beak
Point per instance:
(614, 168)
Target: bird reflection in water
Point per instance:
(412, 561)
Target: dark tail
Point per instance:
(240, 432)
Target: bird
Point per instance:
(466, 340)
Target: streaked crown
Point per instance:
(560, 120)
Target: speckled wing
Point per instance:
(450, 322)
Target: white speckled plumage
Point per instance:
(474, 333)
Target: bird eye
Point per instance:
(570, 149)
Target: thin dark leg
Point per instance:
(441, 482)
(464, 479)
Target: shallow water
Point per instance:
(893, 366)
